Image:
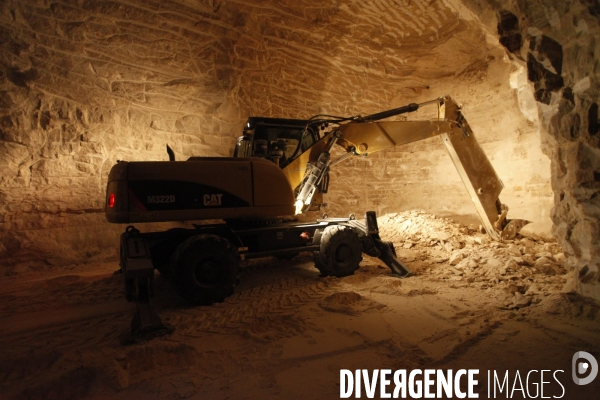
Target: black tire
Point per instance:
(204, 269)
(163, 263)
(164, 269)
(319, 264)
(340, 252)
(162, 253)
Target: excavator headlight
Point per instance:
(299, 205)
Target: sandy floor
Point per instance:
(286, 332)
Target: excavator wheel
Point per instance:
(161, 255)
(204, 269)
(320, 265)
(161, 258)
(340, 251)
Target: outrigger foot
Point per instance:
(385, 251)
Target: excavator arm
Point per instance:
(365, 135)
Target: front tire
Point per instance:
(340, 252)
(204, 269)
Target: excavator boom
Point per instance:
(363, 136)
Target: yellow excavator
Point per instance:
(280, 169)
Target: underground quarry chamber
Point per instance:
(84, 84)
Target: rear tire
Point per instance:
(340, 252)
(320, 265)
(162, 253)
(204, 269)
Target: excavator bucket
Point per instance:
(477, 173)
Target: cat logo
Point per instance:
(212, 200)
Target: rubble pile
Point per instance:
(526, 268)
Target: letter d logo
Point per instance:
(583, 366)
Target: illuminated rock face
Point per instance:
(85, 83)
(559, 50)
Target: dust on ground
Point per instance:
(286, 332)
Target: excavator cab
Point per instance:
(276, 139)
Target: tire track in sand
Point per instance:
(261, 311)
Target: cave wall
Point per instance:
(556, 42)
(85, 83)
